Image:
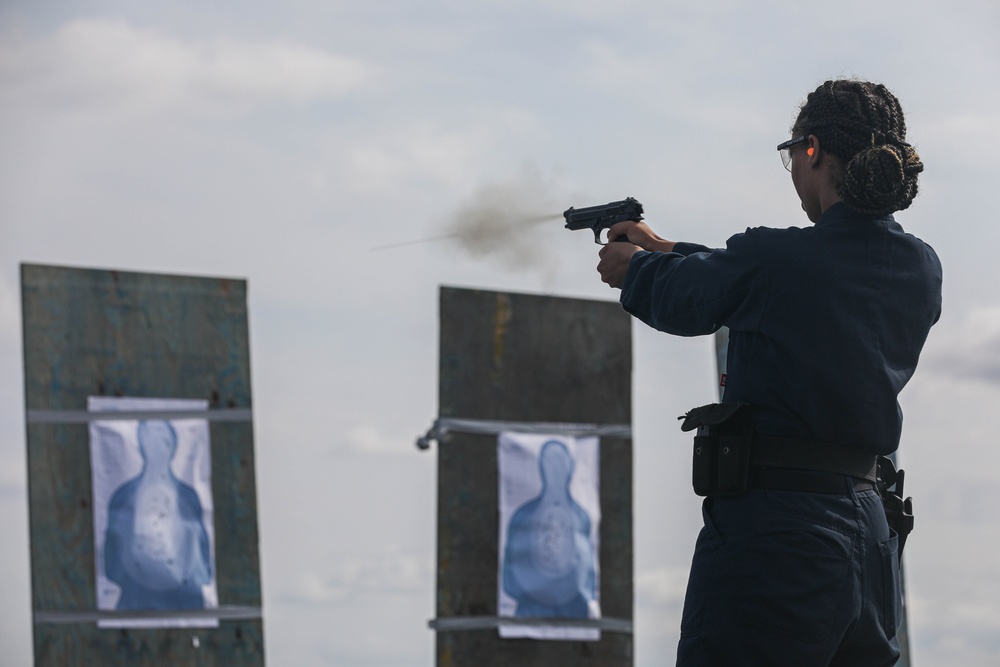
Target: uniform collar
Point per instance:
(838, 212)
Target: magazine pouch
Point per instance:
(722, 441)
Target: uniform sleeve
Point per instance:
(694, 290)
(682, 248)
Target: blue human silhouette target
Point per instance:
(153, 513)
(549, 526)
(156, 545)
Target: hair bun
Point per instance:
(880, 178)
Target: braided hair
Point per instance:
(862, 124)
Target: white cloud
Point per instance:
(664, 586)
(371, 440)
(346, 578)
(417, 151)
(12, 477)
(952, 599)
(973, 129)
(418, 157)
(969, 350)
(113, 64)
(10, 310)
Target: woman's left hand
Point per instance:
(615, 257)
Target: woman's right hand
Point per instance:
(640, 234)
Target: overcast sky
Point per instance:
(285, 143)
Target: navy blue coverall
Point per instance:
(826, 326)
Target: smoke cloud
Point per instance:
(506, 221)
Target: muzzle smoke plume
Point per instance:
(503, 221)
(506, 222)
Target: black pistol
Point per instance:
(599, 218)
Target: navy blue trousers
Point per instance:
(792, 578)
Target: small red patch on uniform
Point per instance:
(722, 380)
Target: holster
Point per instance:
(898, 512)
(721, 457)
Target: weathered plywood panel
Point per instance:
(111, 333)
(526, 358)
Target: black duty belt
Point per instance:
(806, 481)
(728, 456)
(799, 454)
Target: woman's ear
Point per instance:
(813, 149)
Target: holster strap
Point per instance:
(768, 452)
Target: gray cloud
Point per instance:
(346, 578)
(117, 66)
(968, 349)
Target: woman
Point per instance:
(826, 325)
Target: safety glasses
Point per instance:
(785, 150)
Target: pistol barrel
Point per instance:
(626, 209)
